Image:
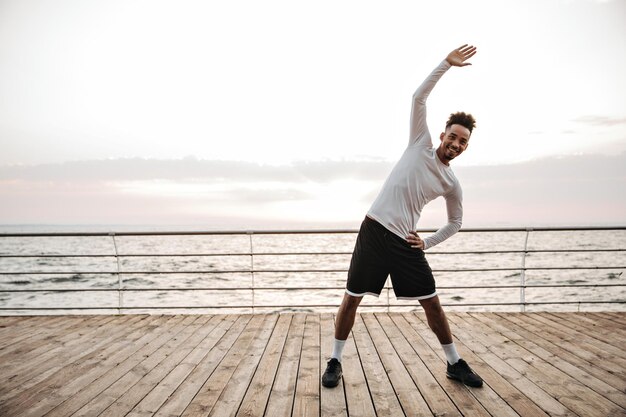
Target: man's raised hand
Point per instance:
(458, 57)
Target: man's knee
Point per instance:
(350, 302)
(432, 305)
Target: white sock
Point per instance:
(338, 349)
(451, 354)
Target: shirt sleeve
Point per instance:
(454, 206)
(419, 129)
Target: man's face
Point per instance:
(453, 142)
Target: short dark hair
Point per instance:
(463, 119)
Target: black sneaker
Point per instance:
(333, 373)
(462, 372)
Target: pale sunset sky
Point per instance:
(248, 114)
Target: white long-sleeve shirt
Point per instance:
(419, 177)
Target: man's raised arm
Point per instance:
(455, 58)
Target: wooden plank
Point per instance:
(615, 338)
(77, 374)
(11, 324)
(359, 402)
(124, 374)
(531, 363)
(574, 322)
(573, 369)
(132, 377)
(531, 331)
(436, 398)
(497, 385)
(210, 392)
(25, 375)
(33, 342)
(24, 342)
(136, 362)
(280, 402)
(426, 345)
(255, 399)
(485, 396)
(591, 326)
(165, 358)
(13, 328)
(585, 402)
(231, 397)
(385, 400)
(604, 350)
(76, 380)
(34, 371)
(139, 366)
(239, 379)
(580, 332)
(482, 341)
(21, 332)
(597, 321)
(7, 321)
(307, 396)
(571, 393)
(410, 397)
(28, 371)
(332, 400)
(575, 346)
(47, 336)
(619, 318)
(30, 322)
(61, 359)
(176, 403)
(170, 383)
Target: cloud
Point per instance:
(137, 169)
(594, 168)
(256, 192)
(583, 189)
(594, 120)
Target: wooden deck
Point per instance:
(533, 364)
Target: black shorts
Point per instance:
(379, 253)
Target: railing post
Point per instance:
(388, 304)
(120, 294)
(250, 233)
(522, 275)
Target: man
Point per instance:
(387, 243)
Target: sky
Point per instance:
(249, 114)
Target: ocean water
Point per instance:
(215, 273)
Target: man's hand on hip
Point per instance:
(415, 241)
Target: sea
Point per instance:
(576, 270)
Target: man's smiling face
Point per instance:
(454, 141)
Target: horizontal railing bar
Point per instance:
(257, 306)
(297, 288)
(274, 271)
(295, 231)
(194, 233)
(252, 270)
(184, 255)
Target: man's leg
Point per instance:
(346, 315)
(437, 321)
(343, 325)
(367, 275)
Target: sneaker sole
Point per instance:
(330, 384)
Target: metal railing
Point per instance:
(252, 270)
